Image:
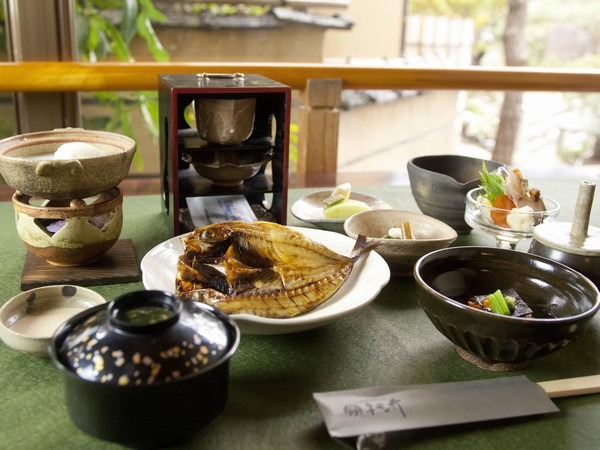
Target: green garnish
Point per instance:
(498, 303)
(492, 183)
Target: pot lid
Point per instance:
(144, 338)
(557, 235)
(578, 237)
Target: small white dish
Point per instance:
(368, 277)
(310, 209)
(29, 319)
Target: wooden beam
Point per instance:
(79, 76)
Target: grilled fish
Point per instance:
(261, 268)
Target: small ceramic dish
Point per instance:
(428, 234)
(29, 319)
(310, 209)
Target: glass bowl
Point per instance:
(478, 215)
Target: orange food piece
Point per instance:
(503, 205)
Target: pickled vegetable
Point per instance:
(344, 208)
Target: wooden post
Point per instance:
(319, 126)
(42, 30)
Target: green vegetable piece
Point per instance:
(498, 303)
(492, 183)
(344, 209)
(511, 302)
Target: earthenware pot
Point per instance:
(69, 233)
(149, 369)
(28, 164)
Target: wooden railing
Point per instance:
(321, 85)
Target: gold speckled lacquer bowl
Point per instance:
(149, 369)
(28, 164)
(69, 233)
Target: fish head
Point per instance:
(211, 240)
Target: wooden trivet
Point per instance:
(117, 265)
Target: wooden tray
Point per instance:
(117, 265)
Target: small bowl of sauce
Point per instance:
(29, 319)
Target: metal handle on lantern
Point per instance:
(228, 76)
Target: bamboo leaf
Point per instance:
(128, 27)
(151, 11)
(146, 30)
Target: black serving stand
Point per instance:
(266, 192)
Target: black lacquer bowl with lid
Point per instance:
(147, 370)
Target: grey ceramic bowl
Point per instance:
(27, 163)
(563, 301)
(439, 184)
(428, 234)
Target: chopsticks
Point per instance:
(571, 386)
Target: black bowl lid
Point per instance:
(144, 338)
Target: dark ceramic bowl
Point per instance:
(440, 183)
(562, 299)
(146, 370)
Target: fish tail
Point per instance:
(362, 246)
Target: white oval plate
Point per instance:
(368, 277)
(310, 209)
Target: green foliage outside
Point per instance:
(103, 36)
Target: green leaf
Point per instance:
(117, 43)
(146, 30)
(149, 107)
(151, 11)
(492, 183)
(128, 27)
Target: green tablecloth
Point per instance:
(390, 342)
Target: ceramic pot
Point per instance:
(28, 164)
(69, 233)
(225, 121)
(575, 244)
(439, 184)
(149, 369)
